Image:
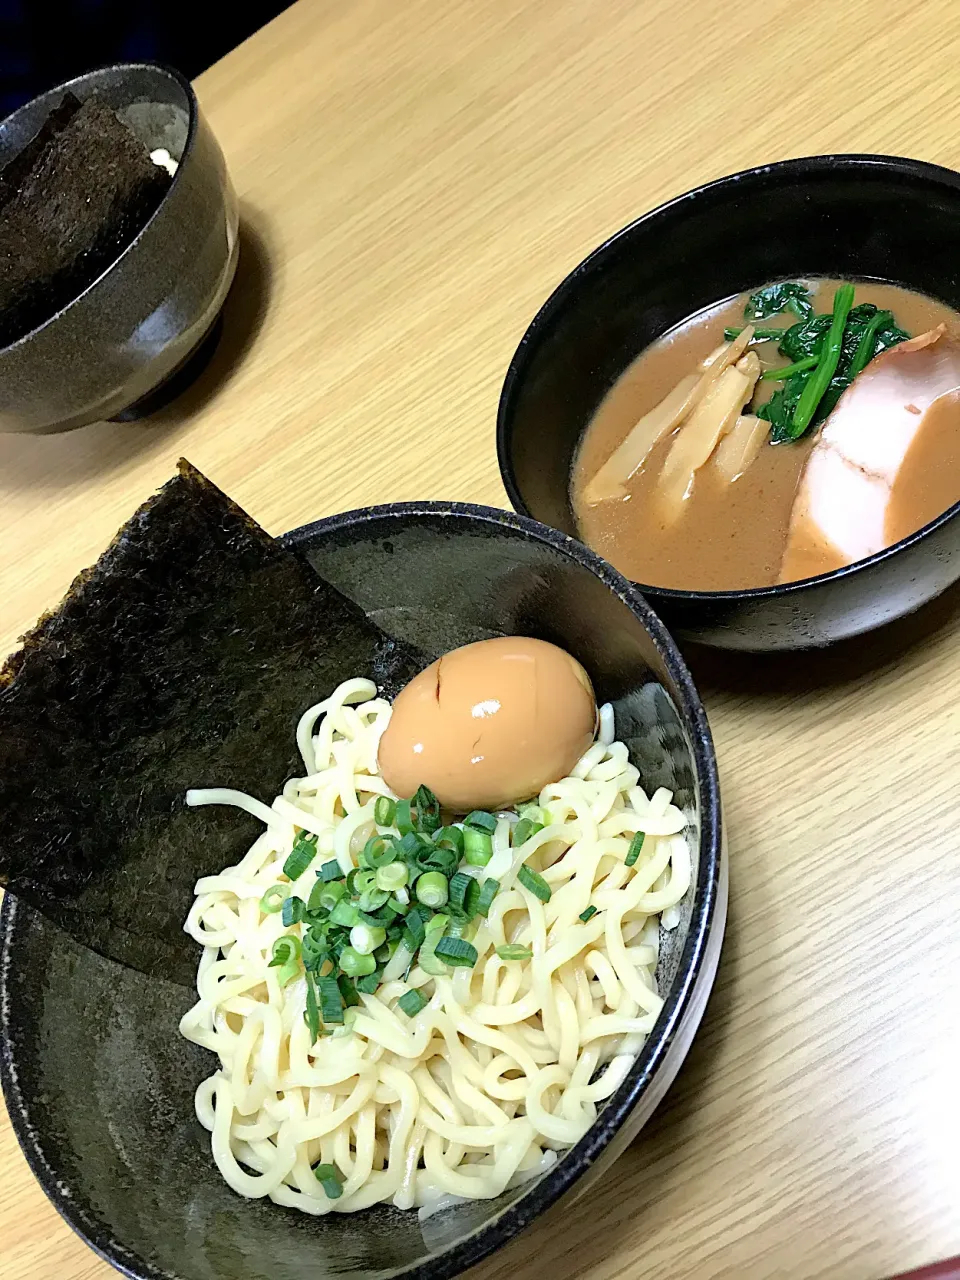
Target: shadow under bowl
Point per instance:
(850, 216)
(137, 324)
(99, 1084)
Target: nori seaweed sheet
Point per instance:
(70, 202)
(183, 658)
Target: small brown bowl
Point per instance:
(138, 324)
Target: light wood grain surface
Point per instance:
(415, 177)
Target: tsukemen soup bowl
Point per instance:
(856, 217)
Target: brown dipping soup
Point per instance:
(733, 535)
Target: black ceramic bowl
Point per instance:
(139, 323)
(99, 1084)
(850, 216)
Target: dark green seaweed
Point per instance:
(183, 658)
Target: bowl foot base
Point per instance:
(178, 381)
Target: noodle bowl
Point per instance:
(506, 1063)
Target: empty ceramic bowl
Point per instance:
(139, 323)
(854, 217)
(100, 1086)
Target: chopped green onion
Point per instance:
(456, 952)
(331, 871)
(524, 829)
(360, 880)
(427, 959)
(477, 847)
(365, 940)
(464, 895)
(301, 855)
(329, 895)
(427, 809)
(311, 1014)
(348, 990)
(480, 820)
(314, 949)
(590, 912)
(329, 1178)
(384, 811)
(292, 911)
(413, 932)
(633, 853)
(443, 860)
(286, 958)
(511, 951)
(393, 876)
(372, 900)
(273, 900)
(355, 965)
(345, 914)
(432, 889)
(378, 852)
(369, 983)
(331, 1004)
(450, 838)
(533, 812)
(396, 908)
(403, 819)
(488, 892)
(412, 1002)
(535, 882)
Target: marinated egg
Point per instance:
(489, 724)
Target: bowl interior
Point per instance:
(152, 101)
(850, 216)
(98, 1081)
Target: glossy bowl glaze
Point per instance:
(138, 324)
(100, 1085)
(850, 216)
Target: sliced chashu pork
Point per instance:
(845, 490)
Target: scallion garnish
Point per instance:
(633, 853)
(464, 895)
(355, 965)
(393, 876)
(488, 891)
(331, 871)
(292, 911)
(480, 820)
(286, 958)
(512, 951)
(450, 838)
(524, 829)
(426, 808)
(301, 855)
(384, 811)
(590, 912)
(403, 818)
(535, 882)
(345, 914)
(331, 1002)
(427, 960)
(329, 1178)
(348, 990)
(273, 900)
(456, 952)
(412, 1002)
(477, 847)
(370, 982)
(413, 932)
(311, 1014)
(378, 852)
(372, 900)
(432, 889)
(328, 897)
(366, 940)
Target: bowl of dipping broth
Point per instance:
(748, 401)
(113, 1081)
(118, 230)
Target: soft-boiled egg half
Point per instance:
(489, 724)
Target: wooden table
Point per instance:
(415, 177)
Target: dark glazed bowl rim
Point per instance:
(558, 1180)
(64, 87)
(564, 294)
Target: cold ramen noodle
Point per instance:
(411, 1005)
(776, 436)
